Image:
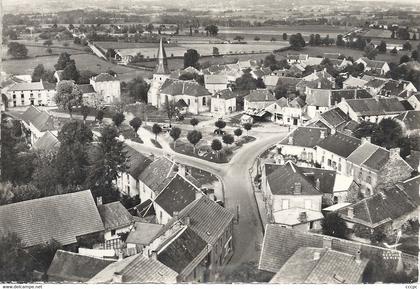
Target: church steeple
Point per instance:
(162, 65)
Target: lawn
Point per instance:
(202, 151)
(203, 177)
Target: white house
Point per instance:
(31, 93)
(223, 103)
(215, 82)
(287, 112)
(379, 67)
(38, 122)
(259, 99)
(107, 87)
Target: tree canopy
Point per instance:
(68, 96)
(191, 58)
(333, 225)
(136, 123)
(17, 50)
(194, 137)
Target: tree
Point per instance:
(247, 127)
(415, 55)
(370, 52)
(257, 38)
(135, 123)
(216, 145)
(70, 72)
(85, 112)
(48, 42)
(340, 41)
(118, 118)
(15, 263)
(215, 51)
(99, 115)
(39, 70)
(68, 96)
(394, 51)
(107, 161)
(296, 41)
(382, 47)
(246, 82)
(194, 122)
(220, 124)
(238, 38)
(333, 225)
(238, 132)
(228, 139)
(137, 89)
(212, 30)
(407, 46)
(194, 137)
(62, 61)
(156, 129)
(17, 50)
(85, 76)
(175, 133)
(171, 110)
(405, 58)
(191, 58)
(284, 36)
(149, 28)
(110, 53)
(260, 83)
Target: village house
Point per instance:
(38, 123)
(374, 84)
(397, 88)
(117, 220)
(258, 99)
(291, 198)
(223, 102)
(107, 87)
(31, 93)
(288, 83)
(371, 109)
(414, 101)
(335, 119)
(287, 112)
(215, 82)
(410, 123)
(64, 218)
(280, 244)
(141, 235)
(270, 81)
(89, 95)
(232, 71)
(375, 66)
(340, 64)
(301, 143)
(354, 82)
(48, 142)
(295, 70)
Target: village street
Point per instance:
(237, 185)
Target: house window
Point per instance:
(339, 167)
(188, 102)
(311, 225)
(329, 162)
(317, 107)
(14, 96)
(308, 204)
(204, 101)
(113, 232)
(285, 204)
(128, 189)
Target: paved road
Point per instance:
(238, 189)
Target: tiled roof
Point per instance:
(207, 218)
(340, 144)
(49, 85)
(282, 180)
(376, 83)
(158, 174)
(137, 269)
(143, 233)
(42, 120)
(86, 88)
(320, 83)
(23, 86)
(411, 119)
(260, 95)
(183, 87)
(328, 266)
(384, 206)
(225, 94)
(327, 178)
(270, 80)
(362, 153)
(338, 95)
(188, 247)
(373, 63)
(114, 215)
(215, 79)
(319, 97)
(288, 82)
(72, 267)
(335, 117)
(305, 136)
(102, 77)
(411, 188)
(413, 159)
(136, 161)
(354, 82)
(177, 195)
(372, 106)
(47, 142)
(394, 88)
(60, 217)
(377, 160)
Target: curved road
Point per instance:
(238, 189)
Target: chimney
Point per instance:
(350, 212)
(99, 201)
(198, 194)
(120, 255)
(343, 99)
(176, 214)
(117, 277)
(181, 170)
(317, 255)
(154, 255)
(327, 242)
(357, 257)
(303, 218)
(290, 139)
(297, 189)
(394, 153)
(322, 134)
(186, 220)
(333, 131)
(317, 184)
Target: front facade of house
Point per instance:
(222, 106)
(195, 104)
(107, 87)
(34, 93)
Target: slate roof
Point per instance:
(42, 120)
(260, 95)
(185, 249)
(61, 217)
(413, 159)
(158, 174)
(114, 215)
(72, 267)
(47, 142)
(411, 188)
(380, 208)
(372, 106)
(377, 160)
(335, 117)
(330, 267)
(362, 153)
(102, 77)
(226, 94)
(282, 180)
(86, 88)
(327, 178)
(136, 161)
(143, 233)
(137, 269)
(305, 136)
(411, 119)
(177, 195)
(183, 87)
(340, 144)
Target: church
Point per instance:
(189, 95)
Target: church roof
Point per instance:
(162, 65)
